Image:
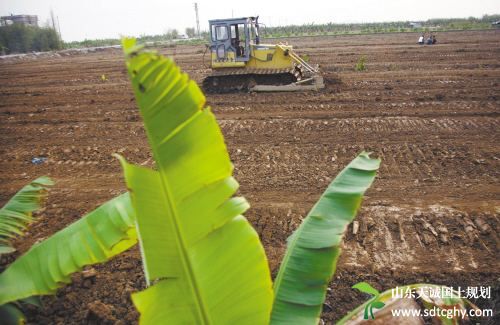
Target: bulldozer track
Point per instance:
(230, 83)
(247, 71)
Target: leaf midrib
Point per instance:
(202, 309)
(184, 256)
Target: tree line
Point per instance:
(169, 36)
(383, 27)
(19, 38)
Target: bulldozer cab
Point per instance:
(230, 39)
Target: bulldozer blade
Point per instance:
(296, 86)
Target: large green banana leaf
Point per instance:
(15, 215)
(100, 235)
(202, 258)
(313, 250)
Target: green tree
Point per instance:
(171, 34)
(190, 32)
(18, 38)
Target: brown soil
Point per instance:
(430, 112)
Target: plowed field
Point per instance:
(430, 112)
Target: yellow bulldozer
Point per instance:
(239, 62)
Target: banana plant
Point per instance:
(203, 261)
(16, 214)
(95, 238)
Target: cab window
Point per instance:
(219, 33)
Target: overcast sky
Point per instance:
(112, 18)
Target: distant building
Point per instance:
(28, 20)
(416, 25)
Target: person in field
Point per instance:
(429, 40)
(421, 39)
(434, 39)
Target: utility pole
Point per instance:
(56, 30)
(53, 20)
(197, 20)
(58, 27)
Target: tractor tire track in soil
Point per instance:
(430, 112)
